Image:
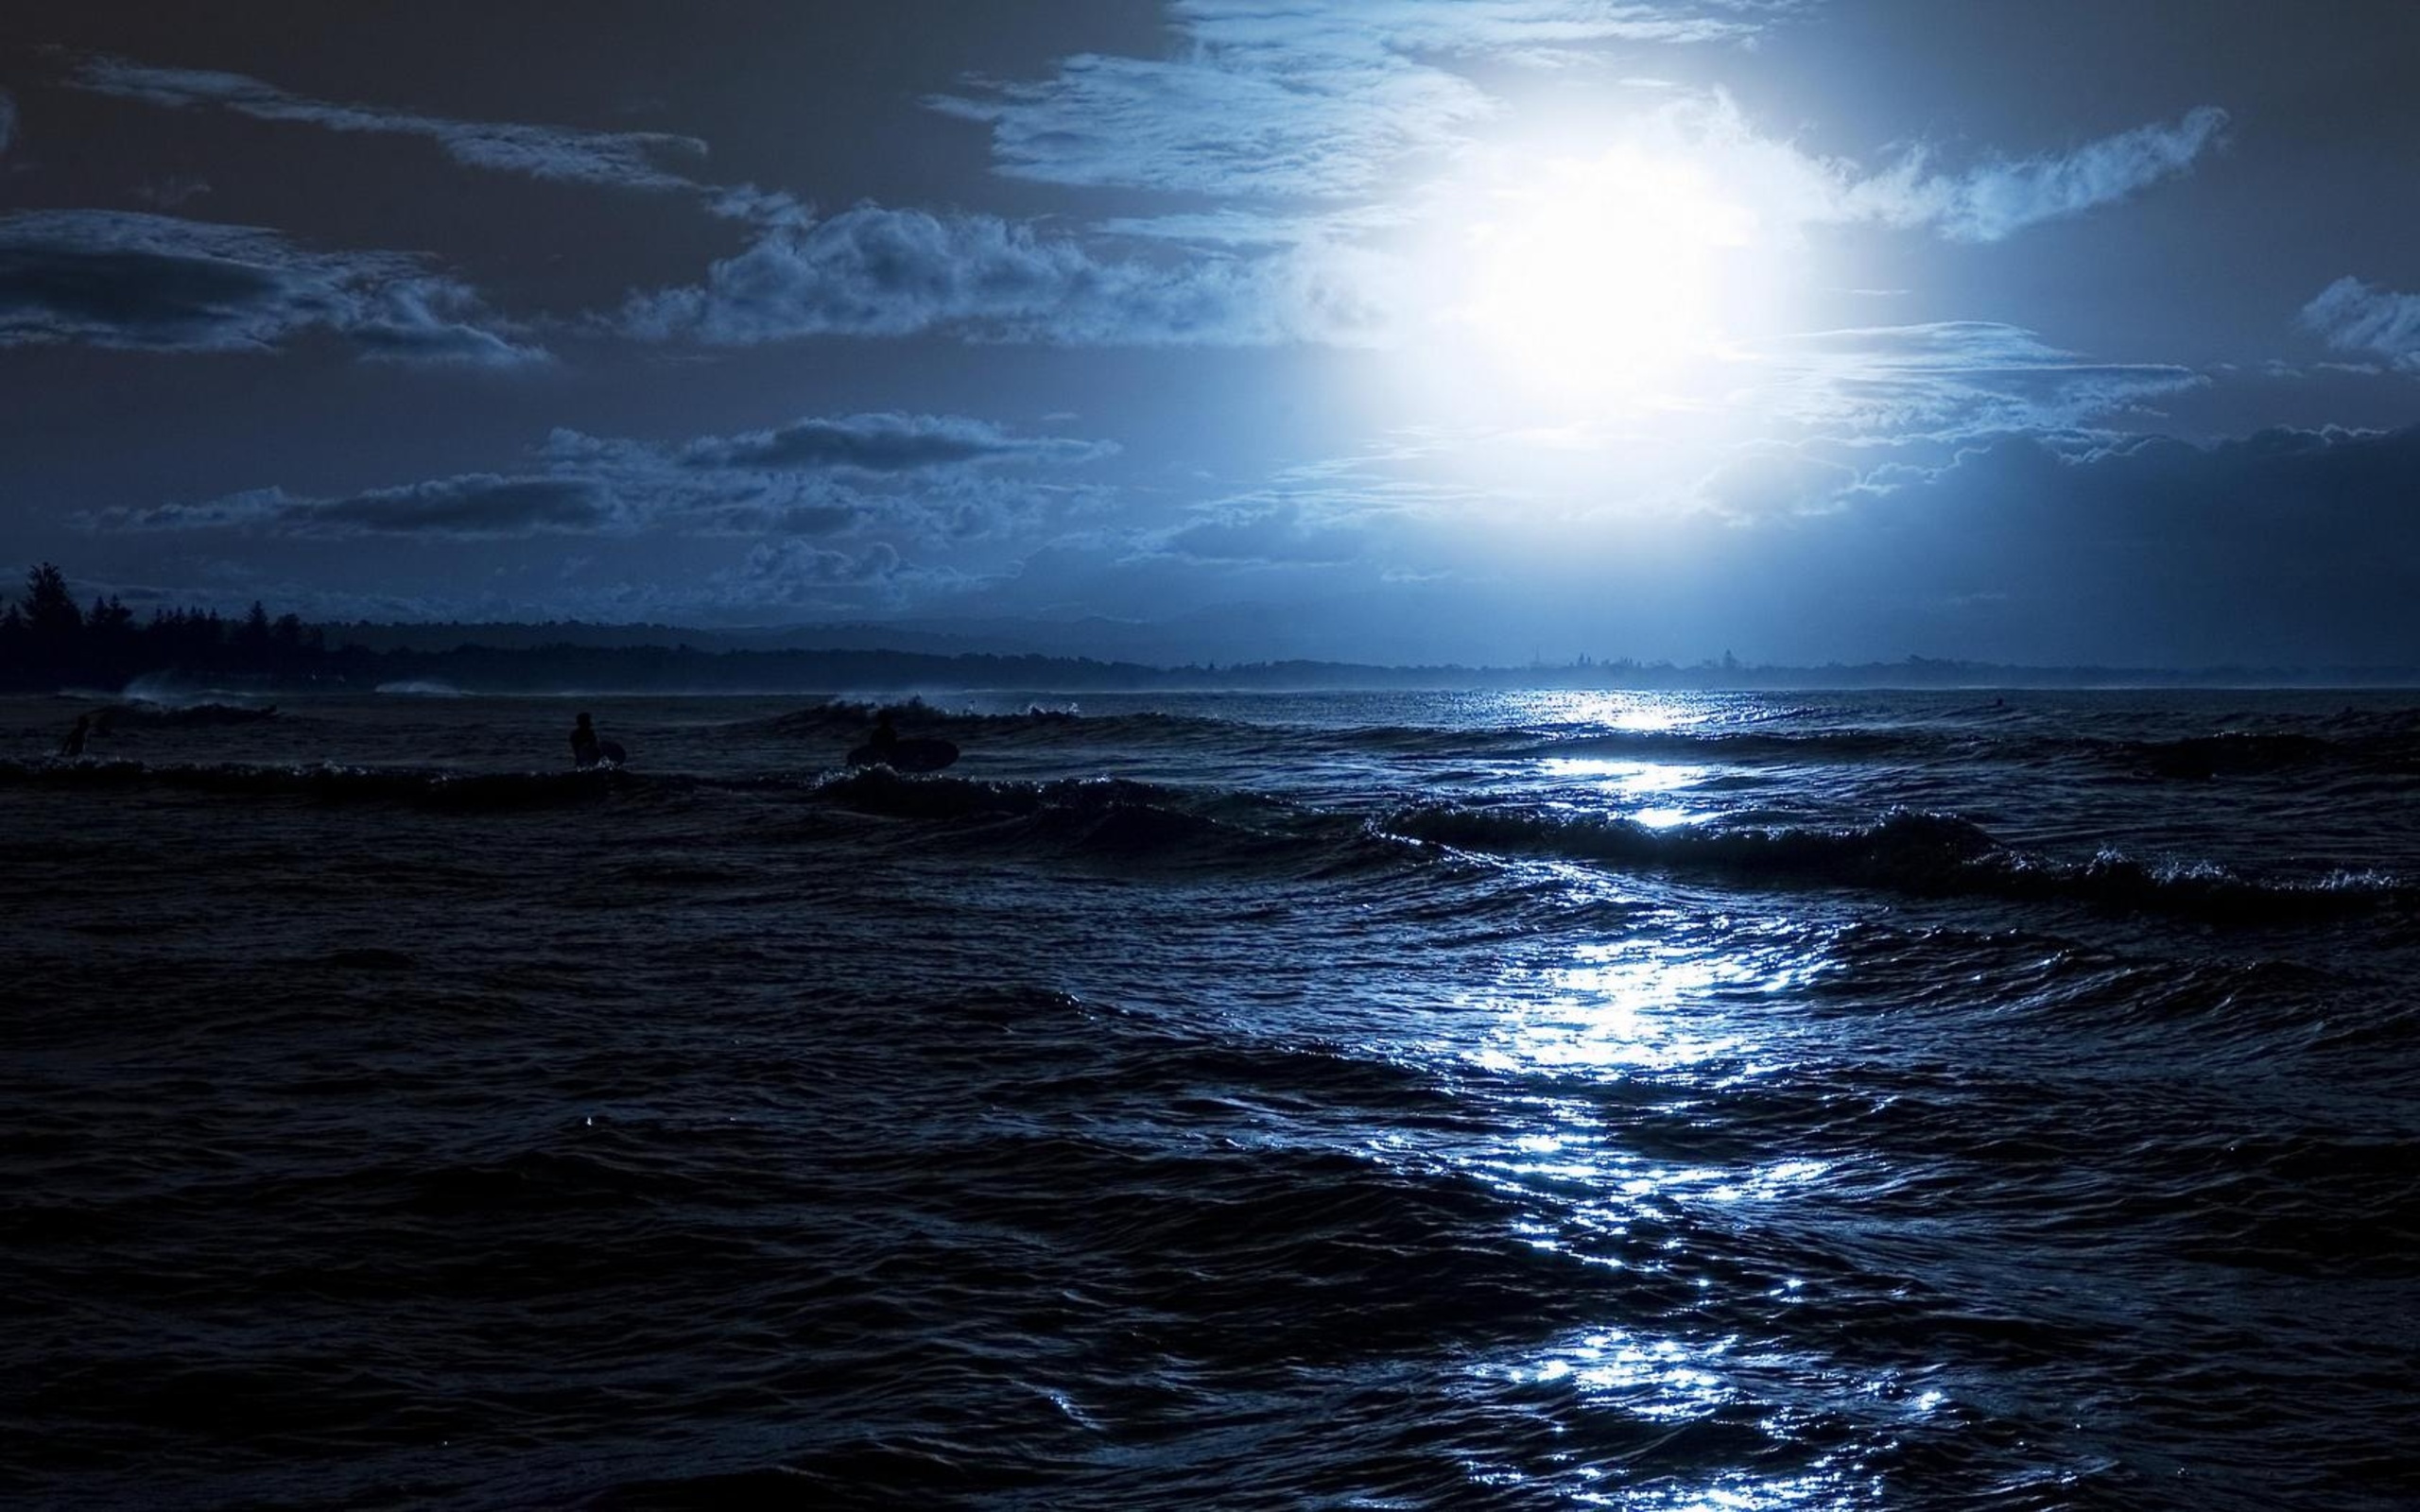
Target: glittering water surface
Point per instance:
(1663, 1102)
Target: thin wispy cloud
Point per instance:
(1789, 189)
(1951, 379)
(1213, 126)
(1997, 199)
(875, 271)
(1299, 100)
(160, 284)
(887, 443)
(930, 478)
(629, 159)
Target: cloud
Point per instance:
(800, 577)
(475, 506)
(629, 159)
(1209, 125)
(172, 190)
(1517, 27)
(1950, 379)
(8, 119)
(1309, 103)
(1266, 536)
(161, 283)
(2351, 315)
(876, 271)
(1993, 201)
(920, 478)
(1296, 100)
(1767, 478)
(886, 444)
(1789, 189)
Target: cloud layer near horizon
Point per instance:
(927, 475)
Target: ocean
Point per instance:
(1675, 1101)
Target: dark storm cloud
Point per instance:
(631, 159)
(8, 120)
(156, 283)
(927, 479)
(878, 271)
(2352, 316)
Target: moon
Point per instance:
(1601, 277)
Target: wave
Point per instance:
(1114, 817)
(2235, 753)
(2370, 742)
(179, 715)
(416, 787)
(1098, 815)
(849, 719)
(1907, 851)
(2391, 745)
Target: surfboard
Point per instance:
(907, 756)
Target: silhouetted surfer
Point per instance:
(587, 750)
(887, 747)
(73, 746)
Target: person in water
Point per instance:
(73, 746)
(885, 739)
(584, 743)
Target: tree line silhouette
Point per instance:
(47, 642)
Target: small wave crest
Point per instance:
(411, 786)
(849, 719)
(1109, 816)
(1909, 852)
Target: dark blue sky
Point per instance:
(1389, 329)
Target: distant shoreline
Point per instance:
(50, 645)
(644, 671)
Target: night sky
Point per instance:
(1394, 330)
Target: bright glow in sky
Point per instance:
(1602, 278)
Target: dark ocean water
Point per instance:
(1719, 1101)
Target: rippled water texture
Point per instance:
(1698, 1101)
